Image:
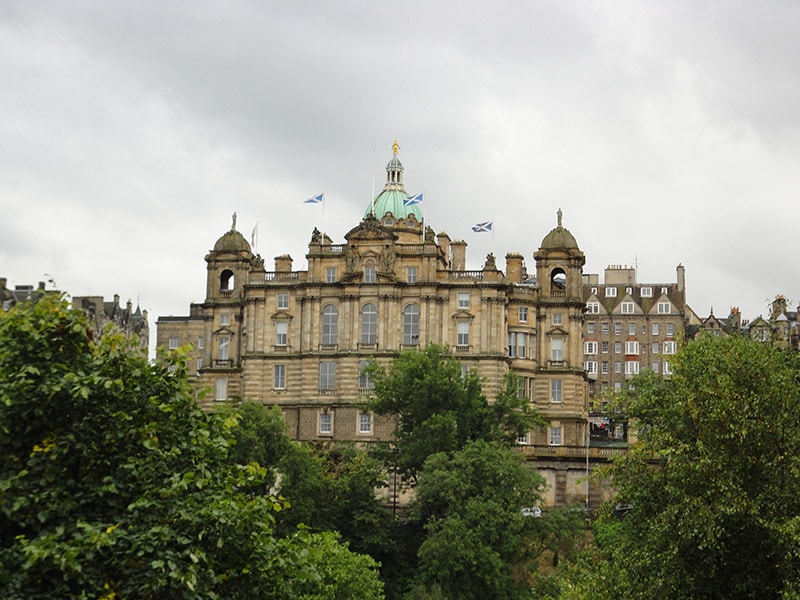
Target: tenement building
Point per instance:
(299, 339)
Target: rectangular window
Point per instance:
(617, 386)
(522, 339)
(557, 349)
(592, 308)
(411, 274)
(604, 327)
(590, 328)
(555, 436)
(604, 347)
(224, 319)
(647, 292)
(654, 328)
(523, 314)
(631, 328)
(221, 389)
(654, 366)
(617, 328)
(631, 347)
(463, 333)
(364, 383)
(279, 379)
(224, 343)
(604, 368)
(670, 347)
(327, 375)
(364, 423)
(617, 367)
(590, 347)
(523, 440)
(663, 290)
(512, 344)
(173, 343)
(558, 319)
(655, 347)
(463, 299)
(611, 292)
(670, 328)
(326, 424)
(330, 275)
(556, 386)
(631, 367)
(617, 347)
(199, 363)
(201, 342)
(283, 300)
(590, 366)
(627, 308)
(664, 308)
(667, 368)
(281, 333)
(369, 274)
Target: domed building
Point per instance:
(299, 339)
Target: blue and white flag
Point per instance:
(411, 200)
(318, 199)
(483, 227)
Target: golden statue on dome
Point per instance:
(395, 147)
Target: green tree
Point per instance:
(712, 480)
(472, 501)
(440, 409)
(114, 483)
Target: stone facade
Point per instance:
(126, 320)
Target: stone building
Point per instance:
(299, 339)
(19, 293)
(131, 322)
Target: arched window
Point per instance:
(330, 325)
(411, 325)
(558, 280)
(369, 324)
(226, 280)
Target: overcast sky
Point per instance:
(667, 132)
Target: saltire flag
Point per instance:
(318, 199)
(411, 200)
(483, 227)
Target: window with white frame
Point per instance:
(325, 423)
(670, 347)
(512, 344)
(281, 333)
(592, 308)
(555, 436)
(330, 275)
(590, 366)
(411, 274)
(631, 328)
(655, 366)
(557, 349)
(590, 347)
(655, 347)
(604, 327)
(524, 440)
(618, 367)
(369, 324)
(590, 328)
(604, 347)
(628, 290)
(522, 339)
(201, 342)
(224, 319)
(174, 343)
(279, 377)
(647, 292)
(604, 368)
(663, 290)
(632, 347)
(670, 329)
(631, 367)
(654, 328)
(224, 346)
(283, 301)
(617, 347)
(558, 319)
(617, 328)
(556, 390)
(463, 299)
(327, 375)
(411, 325)
(364, 382)
(330, 325)
(594, 290)
(617, 386)
(611, 292)
(523, 314)
(667, 368)
(364, 423)
(199, 363)
(369, 273)
(627, 308)
(221, 389)
(664, 308)
(462, 338)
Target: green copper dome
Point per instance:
(390, 200)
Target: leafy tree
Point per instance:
(114, 483)
(712, 480)
(440, 409)
(471, 503)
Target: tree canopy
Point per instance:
(114, 483)
(713, 478)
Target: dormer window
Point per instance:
(369, 273)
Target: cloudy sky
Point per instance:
(667, 131)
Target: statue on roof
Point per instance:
(233, 225)
(395, 147)
(559, 217)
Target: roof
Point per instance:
(391, 198)
(232, 241)
(560, 237)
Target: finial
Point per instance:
(559, 217)
(233, 226)
(395, 147)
